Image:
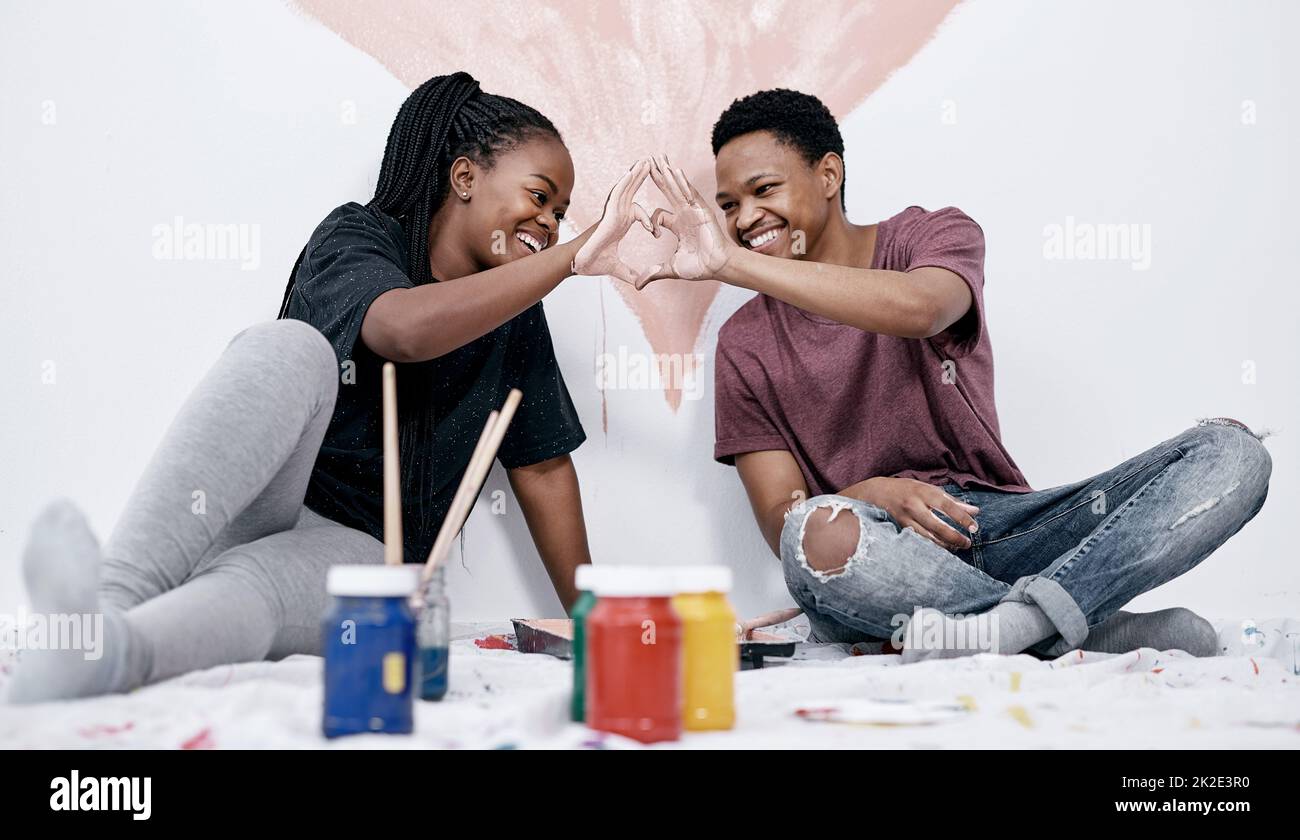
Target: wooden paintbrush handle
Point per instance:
(480, 463)
(392, 472)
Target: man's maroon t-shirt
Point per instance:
(851, 405)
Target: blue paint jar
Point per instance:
(368, 637)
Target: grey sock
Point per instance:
(1008, 628)
(85, 649)
(1176, 628)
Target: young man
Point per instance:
(855, 397)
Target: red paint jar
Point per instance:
(634, 656)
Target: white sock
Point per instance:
(61, 569)
(1008, 628)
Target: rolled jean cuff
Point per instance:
(1061, 609)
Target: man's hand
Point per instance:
(912, 504)
(702, 247)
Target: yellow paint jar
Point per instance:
(710, 655)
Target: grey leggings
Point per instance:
(215, 559)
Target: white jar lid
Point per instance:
(697, 579)
(586, 576)
(373, 581)
(633, 582)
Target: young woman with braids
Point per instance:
(216, 558)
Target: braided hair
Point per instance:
(443, 119)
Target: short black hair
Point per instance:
(799, 120)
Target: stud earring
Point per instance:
(464, 195)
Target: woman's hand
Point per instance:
(702, 247)
(912, 504)
(598, 255)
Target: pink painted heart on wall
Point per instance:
(626, 79)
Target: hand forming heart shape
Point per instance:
(701, 245)
(599, 255)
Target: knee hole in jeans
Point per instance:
(829, 540)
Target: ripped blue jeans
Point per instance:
(1080, 551)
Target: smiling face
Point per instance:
(768, 191)
(516, 204)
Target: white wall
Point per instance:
(1107, 112)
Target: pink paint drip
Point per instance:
(604, 348)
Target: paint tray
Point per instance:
(552, 636)
(760, 645)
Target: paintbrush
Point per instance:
(485, 452)
(392, 485)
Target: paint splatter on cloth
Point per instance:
(1249, 696)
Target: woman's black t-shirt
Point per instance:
(353, 257)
